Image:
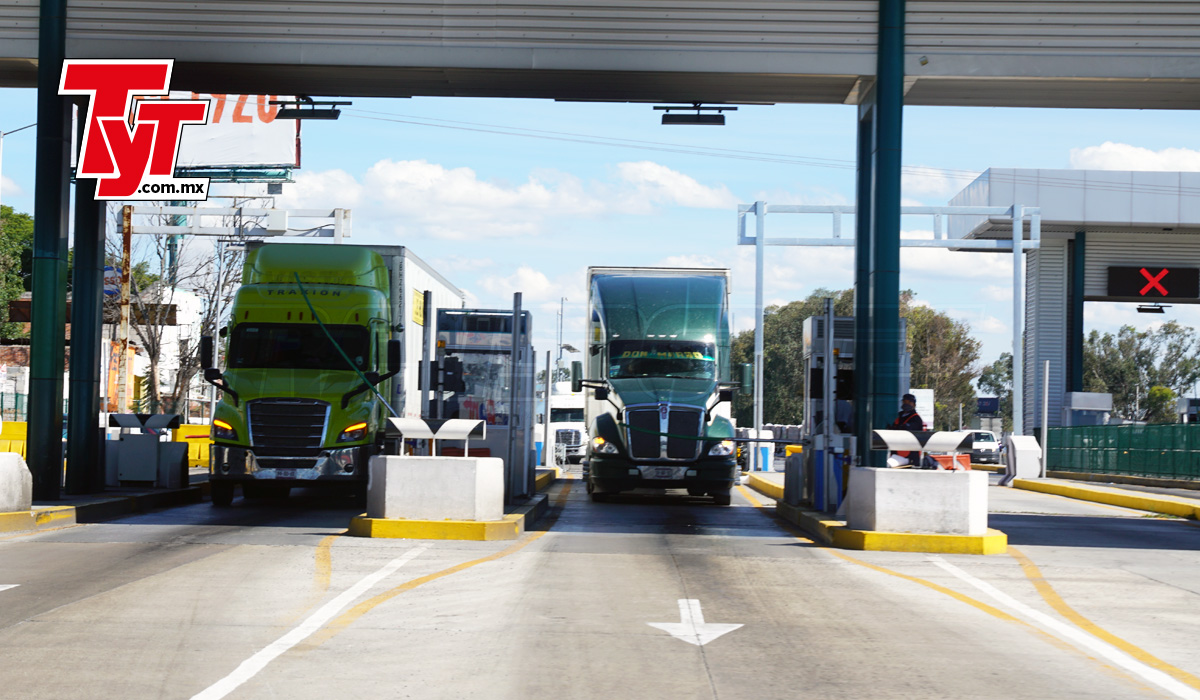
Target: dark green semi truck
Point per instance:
(657, 371)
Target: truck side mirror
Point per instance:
(206, 351)
(601, 393)
(747, 383)
(393, 354)
(577, 377)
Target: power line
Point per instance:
(759, 156)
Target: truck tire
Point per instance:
(722, 498)
(221, 493)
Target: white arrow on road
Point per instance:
(691, 627)
(6, 586)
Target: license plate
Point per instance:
(285, 473)
(664, 472)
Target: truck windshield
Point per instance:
(679, 359)
(296, 346)
(566, 415)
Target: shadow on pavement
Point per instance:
(1087, 531)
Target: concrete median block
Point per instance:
(436, 488)
(918, 501)
(16, 484)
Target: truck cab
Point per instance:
(568, 430)
(308, 347)
(657, 370)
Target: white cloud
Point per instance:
(658, 184)
(921, 181)
(1122, 156)
(806, 195)
(458, 263)
(10, 187)
(997, 292)
(419, 198)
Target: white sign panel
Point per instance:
(924, 405)
(241, 132)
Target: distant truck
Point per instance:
(568, 431)
(295, 409)
(657, 361)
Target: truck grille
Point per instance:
(287, 423)
(570, 438)
(645, 441)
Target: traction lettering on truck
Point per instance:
(635, 354)
(317, 292)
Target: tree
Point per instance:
(203, 275)
(997, 380)
(943, 357)
(1131, 362)
(16, 260)
(1160, 405)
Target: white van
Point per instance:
(985, 448)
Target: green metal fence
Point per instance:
(13, 406)
(1162, 451)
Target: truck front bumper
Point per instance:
(613, 474)
(233, 463)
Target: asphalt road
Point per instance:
(268, 600)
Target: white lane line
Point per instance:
(6, 586)
(314, 622)
(1079, 637)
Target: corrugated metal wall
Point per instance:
(1110, 250)
(744, 25)
(1077, 27)
(1046, 330)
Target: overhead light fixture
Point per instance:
(1152, 308)
(305, 108)
(717, 119)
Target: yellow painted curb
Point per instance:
(399, 528)
(37, 519)
(835, 532)
(1167, 505)
(764, 486)
(546, 477)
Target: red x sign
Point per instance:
(1154, 281)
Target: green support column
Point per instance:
(862, 281)
(1075, 340)
(50, 208)
(85, 454)
(886, 343)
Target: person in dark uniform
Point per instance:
(909, 420)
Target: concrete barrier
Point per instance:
(918, 501)
(16, 484)
(436, 488)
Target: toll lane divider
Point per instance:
(100, 509)
(835, 533)
(510, 527)
(1136, 500)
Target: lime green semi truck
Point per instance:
(322, 345)
(657, 361)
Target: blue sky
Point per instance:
(498, 212)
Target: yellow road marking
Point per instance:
(348, 618)
(1034, 574)
(323, 568)
(994, 612)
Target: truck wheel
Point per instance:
(722, 498)
(221, 493)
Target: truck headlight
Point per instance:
(603, 446)
(223, 430)
(723, 448)
(354, 432)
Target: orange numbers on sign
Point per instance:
(240, 113)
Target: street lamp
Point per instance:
(2, 135)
